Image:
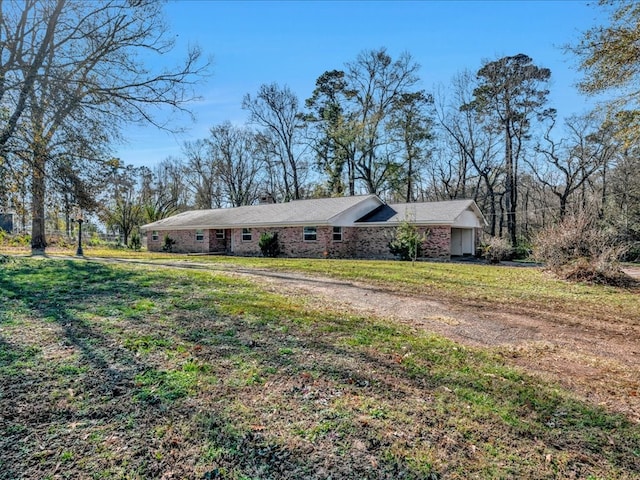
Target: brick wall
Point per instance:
(185, 241)
(357, 242)
(219, 245)
(245, 248)
(373, 242)
(292, 243)
(437, 243)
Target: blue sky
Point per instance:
(293, 42)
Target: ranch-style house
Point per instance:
(341, 227)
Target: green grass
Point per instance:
(132, 371)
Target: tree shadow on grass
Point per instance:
(58, 292)
(80, 375)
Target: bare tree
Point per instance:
(156, 201)
(623, 201)
(120, 205)
(28, 30)
(476, 149)
(201, 173)
(171, 180)
(276, 110)
(239, 169)
(568, 164)
(377, 83)
(69, 64)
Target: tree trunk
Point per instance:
(493, 212)
(38, 241)
(510, 186)
(294, 173)
(352, 177)
(603, 196)
(409, 182)
(563, 205)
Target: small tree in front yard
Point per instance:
(407, 242)
(135, 242)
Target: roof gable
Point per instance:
(450, 212)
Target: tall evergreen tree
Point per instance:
(511, 94)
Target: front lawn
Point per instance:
(134, 371)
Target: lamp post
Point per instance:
(79, 219)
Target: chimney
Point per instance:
(266, 198)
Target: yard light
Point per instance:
(79, 219)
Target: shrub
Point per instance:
(60, 241)
(168, 244)
(269, 245)
(95, 240)
(497, 249)
(407, 242)
(523, 249)
(134, 242)
(22, 240)
(19, 240)
(577, 249)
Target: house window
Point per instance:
(246, 234)
(310, 234)
(337, 234)
(220, 234)
(154, 235)
(199, 235)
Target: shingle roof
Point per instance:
(445, 212)
(319, 211)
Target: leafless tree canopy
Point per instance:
(72, 73)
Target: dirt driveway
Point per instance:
(600, 361)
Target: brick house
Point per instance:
(341, 227)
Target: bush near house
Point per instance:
(497, 249)
(135, 243)
(269, 245)
(168, 244)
